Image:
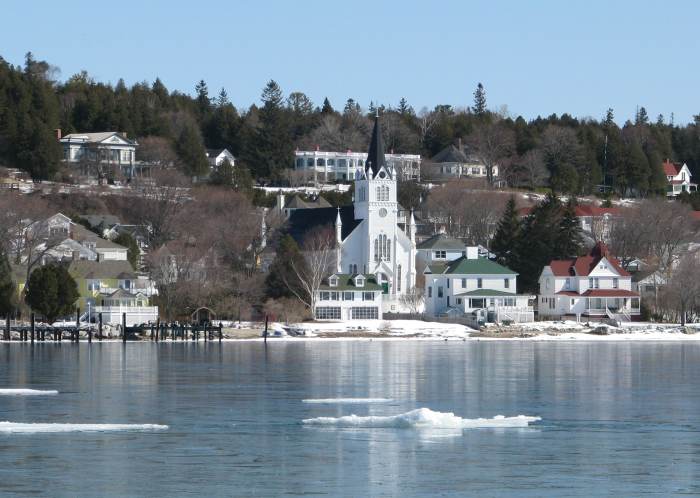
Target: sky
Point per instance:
(535, 57)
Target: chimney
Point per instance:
(123, 134)
(280, 201)
(472, 252)
(58, 133)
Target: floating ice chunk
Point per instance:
(420, 419)
(21, 428)
(26, 392)
(347, 401)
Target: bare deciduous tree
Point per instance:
(682, 293)
(319, 261)
(492, 143)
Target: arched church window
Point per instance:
(376, 250)
(379, 193)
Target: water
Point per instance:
(617, 419)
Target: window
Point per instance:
(327, 313)
(382, 249)
(568, 283)
(325, 296)
(430, 292)
(300, 162)
(379, 193)
(448, 283)
(364, 313)
(448, 301)
(348, 296)
(333, 282)
(310, 162)
(335, 296)
(573, 301)
(360, 281)
(320, 162)
(464, 283)
(330, 162)
(440, 254)
(342, 163)
(590, 283)
(93, 285)
(596, 283)
(479, 283)
(616, 283)
(440, 292)
(368, 296)
(352, 268)
(398, 278)
(459, 300)
(506, 283)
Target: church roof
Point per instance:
(375, 156)
(302, 221)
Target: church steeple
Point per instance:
(375, 156)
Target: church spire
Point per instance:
(375, 156)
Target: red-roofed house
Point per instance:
(595, 286)
(678, 178)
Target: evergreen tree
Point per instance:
(133, 252)
(609, 118)
(642, 118)
(223, 175)
(405, 109)
(51, 292)
(242, 179)
(8, 291)
(222, 99)
(327, 107)
(505, 240)
(569, 238)
(479, 107)
(281, 275)
(191, 152)
(657, 177)
(203, 102)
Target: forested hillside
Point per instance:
(565, 153)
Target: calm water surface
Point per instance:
(618, 419)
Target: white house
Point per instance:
(216, 158)
(453, 162)
(342, 166)
(678, 178)
(476, 288)
(104, 149)
(349, 297)
(593, 286)
(440, 248)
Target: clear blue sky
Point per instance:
(536, 57)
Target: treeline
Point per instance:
(569, 155)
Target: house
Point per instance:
(105, 249)
(648, 282)
(369, 235)
(440, 249)
(678, 178)
(328, 167)
(349, 297)
(475, 288)
(97, 153)
(454, 162)
(216, 158)
(113, 288)
(287, 205)
(595, 286)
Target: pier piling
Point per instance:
(33, 327)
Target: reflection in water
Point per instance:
(617, 419)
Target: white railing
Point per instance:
(134, 314)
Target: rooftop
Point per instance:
(442, 241)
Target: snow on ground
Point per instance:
(537, 331)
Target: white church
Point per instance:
(370, 239)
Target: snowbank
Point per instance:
(422, 418)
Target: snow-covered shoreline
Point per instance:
(417, 330)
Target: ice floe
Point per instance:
(22, 428)
(26, 392)
(422, 418)
(346, 401)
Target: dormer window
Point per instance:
(333, 281)
(359, 281)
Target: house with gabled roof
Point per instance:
(344, 296)
(113, 288)
(475, 288)
(109, 149)
(440, 248)
(454, 162)
(595, 286)
(679, 179)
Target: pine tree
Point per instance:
(203, 101)
(242, 179)
(281, 275)
(479, 101)
(8, 291)
(51, 292)
(327, 107)
(191, 151)
(609, 118)
(223, 175)
(642, 118)
(569, 238)
(505, 239)
(133, 252)
(405, 109)
(222, 99)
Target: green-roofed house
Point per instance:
(112, 287)
(345, 296)
(476, 288)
